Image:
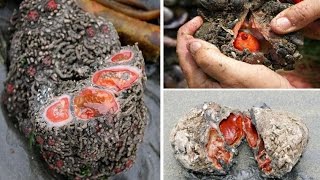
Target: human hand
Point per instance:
(303, 15)
(205, 66)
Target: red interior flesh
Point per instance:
(58, 111)
(250, 36)
(216, 150)
(246, 40)
(117, 78)
(231, 128)
(124, 55)
(263, 159)
(250, 132)
(92, 102)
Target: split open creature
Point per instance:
(205, 141)
(74, 89)
(241, 30)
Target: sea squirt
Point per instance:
(205, 141)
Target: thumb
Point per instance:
(232, 73)
(296, 17)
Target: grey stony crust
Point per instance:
(57, 48)
(54, 56)
(285, 138)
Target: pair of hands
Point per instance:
(205, 66)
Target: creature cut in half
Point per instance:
(206, 140)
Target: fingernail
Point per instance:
(194, 47)
(283, 23)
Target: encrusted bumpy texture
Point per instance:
(241, 30)
(206, 140)
(74, 89)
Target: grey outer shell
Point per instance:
(285, 138)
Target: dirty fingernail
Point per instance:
(283, 23)
(194, 47)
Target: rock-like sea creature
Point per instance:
(74, 89)
(205, 141)
(241, 30)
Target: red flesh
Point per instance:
(250, 132)
(51, 5)
(10, 88)
(58, 111)
(231, 129)
(104, 29)
(115, 78)
(92, 102)
(297, 1)
(90, 32)
(122, 56)
(31, 71)
(246, 41)
(59, 164)
(39, 140)
(263, 159)
(33, 15)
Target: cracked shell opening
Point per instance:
(216, 152)
(93, 102)
(231, 129)
(58, 113)
(264, 161)
(118, 78)
(124, 55)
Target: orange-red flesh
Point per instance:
(59, 110)
(216, 151)
(231, 129)
(246, 40)
(124, 55)
(115, 78)
(93, 102)
(250, 132)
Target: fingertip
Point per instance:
(191, 26)
(281, 25)
(194, 46)
(198, 19)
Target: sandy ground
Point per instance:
(302, 103)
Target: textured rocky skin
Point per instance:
(276, 138)
(285, 137)
(225, 19)
(56, 50)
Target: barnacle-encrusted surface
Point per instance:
(285, 137)
(50, 46)
(225, 19)
(206, 140)
(75, 89)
